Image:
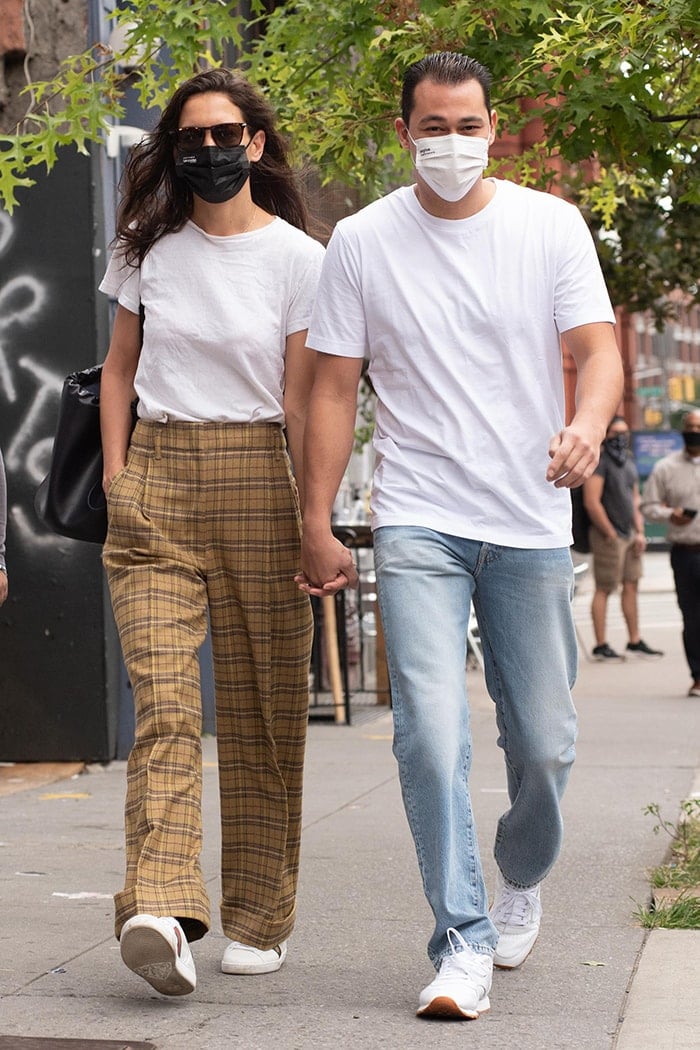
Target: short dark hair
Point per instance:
(444, 67)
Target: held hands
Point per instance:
(326, 565)
(574, 457)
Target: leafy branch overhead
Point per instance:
(614, 88)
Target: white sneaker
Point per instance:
(461, 988)
(243, 958)
(516, 914)
(157, 950)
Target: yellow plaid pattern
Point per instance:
(205, 516)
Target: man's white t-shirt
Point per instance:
(460, 320)
(218, 311)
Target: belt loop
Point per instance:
(156, 442)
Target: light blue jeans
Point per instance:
(522, 599)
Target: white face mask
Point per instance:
(450, 164)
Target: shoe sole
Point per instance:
(610, 659)
(443, 1006)
(150, 956)
(250, 971)
(510, 965)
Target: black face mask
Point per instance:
(617, 447)
(692, 441)
(216, 175)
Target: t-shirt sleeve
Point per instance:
(304, 292)
(338, 321)
(122, 282)
(580, 295)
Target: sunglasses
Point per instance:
(225, 136)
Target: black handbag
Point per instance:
(70, 499)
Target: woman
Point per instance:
(204, 517)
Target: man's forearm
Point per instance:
(596, 512)
(598, 390)
(328, 441)
(653, 505)
(656, 512)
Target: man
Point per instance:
(611, 499)
(672, 495)
(3, 526)
(457, 290)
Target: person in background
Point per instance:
(204, 521)
(617, 541)
(458, 290)
(3, 531)
(672, 497)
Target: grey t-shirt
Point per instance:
(618, 491)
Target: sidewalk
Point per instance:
(596, 980)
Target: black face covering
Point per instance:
(216, 175)
(692, 441)
(617, 446)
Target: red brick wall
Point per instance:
(11, 28)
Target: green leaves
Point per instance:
(84, 98)
(13, 166)
(615, 85)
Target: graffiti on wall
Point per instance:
(23, 300)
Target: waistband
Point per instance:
(177, 436)
(686, 547)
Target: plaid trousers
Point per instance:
(205, 517)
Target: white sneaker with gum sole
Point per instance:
(461, 989)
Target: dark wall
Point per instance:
(57, 701)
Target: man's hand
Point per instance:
(679, 517)
(574, 457)
(326, 565)
(640, 543)
(3, 587)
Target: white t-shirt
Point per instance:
(460, 320)
(218, 311)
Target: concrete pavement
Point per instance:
(595, 981)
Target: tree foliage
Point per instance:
(614, 85)
(167, 42)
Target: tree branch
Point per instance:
(670, 118)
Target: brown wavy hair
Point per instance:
(155, 201)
